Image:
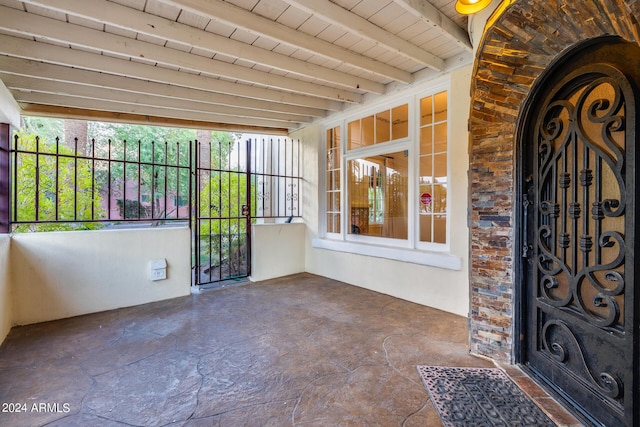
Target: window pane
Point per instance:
(333, 223)
(440, 101)
(333, 179)
(439, 199)
(440, 168)
(354, 138)
(440, 139)
(426, 169)
(367, 131)
(426, 111)
(383, 126)
(440, 229)
(426, 199)
(433, 174)
(378, 195)
(426, 140)
(400, 122)
(425, 228)
(333, 201)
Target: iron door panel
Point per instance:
(580, 236)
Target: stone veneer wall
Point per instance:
(523, 41)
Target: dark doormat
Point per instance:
(480, 397)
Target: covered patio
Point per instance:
(466, 196)
(301, 350)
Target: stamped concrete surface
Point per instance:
(298, 351)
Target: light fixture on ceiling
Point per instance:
(469, 7)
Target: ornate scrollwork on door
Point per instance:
(580, 240)
(562, 345)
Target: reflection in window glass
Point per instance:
(440, 138)
(383, 126)
(432, 180)
(378, 197)
(367, 131)
(400, 121)
(440, 107)
(426, 111)
(355, 140)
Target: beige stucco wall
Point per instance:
(6, 299)
(437, 287)
(277, 250)
(63, 274)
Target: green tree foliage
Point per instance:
(70, 193)
(46, 128)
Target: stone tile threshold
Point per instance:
(554, 410)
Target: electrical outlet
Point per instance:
(159, 274)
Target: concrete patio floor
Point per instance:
(298, 351)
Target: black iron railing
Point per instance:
(108, 181)
(96, 182)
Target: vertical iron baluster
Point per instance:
(93, 178)
(37, 178)
(585, 202)
(153, 180)
(124, 178)
(165, 168)
(139, 179)
(247, 255)
(178, 172)
(75, 179)
(15, 179)
(57, 184)
(220, 205)
(109, 178)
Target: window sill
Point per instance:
(414, 256)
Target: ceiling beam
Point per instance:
(58, 73)
(145, 23)
(39, 51)
(107, 116)
(431, 15)
(236, 16)
(120, 107)
(334, 14)
(99, 95)
(38, 26)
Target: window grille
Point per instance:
(275, 175)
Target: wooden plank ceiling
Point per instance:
(260, 65)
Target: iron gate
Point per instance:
(234, 185)
(579, 234)
(222, 220)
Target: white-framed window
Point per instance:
(393, 176)
(433, 171)
(332, 181)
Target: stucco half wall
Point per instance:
(441, 288)
(64, 274)
(276, 250)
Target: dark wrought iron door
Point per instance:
(579, 234)
(222, 220)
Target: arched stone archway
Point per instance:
(521, 44)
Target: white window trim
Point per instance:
(414, 256)
(406, 250)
